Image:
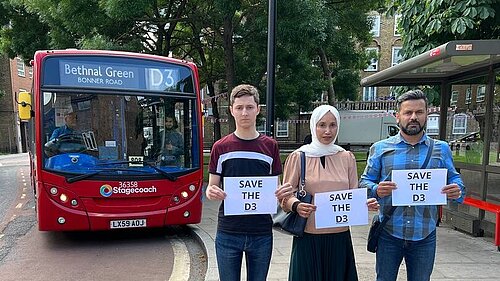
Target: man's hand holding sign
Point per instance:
(419, 187)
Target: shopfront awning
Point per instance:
(446, 62)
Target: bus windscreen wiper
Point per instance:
(160, 171)
(84, 176)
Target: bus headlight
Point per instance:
(184, 194)
(53, 190)
(63, 198)
(186, 214)
(176, 199)
(61, 220)
(192, 187)
(74, 202)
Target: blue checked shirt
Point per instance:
(415, 222)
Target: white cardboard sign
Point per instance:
(419, 187)
(250, 195)
(341, 208)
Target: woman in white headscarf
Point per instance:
(326, 253)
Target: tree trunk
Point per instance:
(215, 111)
(211, 90)
(327, 74)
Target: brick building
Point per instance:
(387, 46)
(15, 76)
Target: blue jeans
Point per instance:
(418, 255)
(229, 248)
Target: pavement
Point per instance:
(459, 256)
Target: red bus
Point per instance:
(115, 140)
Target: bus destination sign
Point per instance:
(122, 76)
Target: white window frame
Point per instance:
(481, 93)
(369, 94)
(280, 132)
(397, 18)
(21, 70)
(374, 63)
(454, 98)
(432, 125)
(375, 31)
(396, 57)
(459, 124)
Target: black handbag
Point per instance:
(375, 230)
(291, 222)
(377, 225)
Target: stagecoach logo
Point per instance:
(126, 188)
(106, 190)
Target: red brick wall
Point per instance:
(7, 122)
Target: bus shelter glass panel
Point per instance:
(494, 157)
(118, 134)
(472, 181)
(492, 194)
(466, 120)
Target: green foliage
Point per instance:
(319, 44)
(126, 9)
(22, 31)
(427, 24)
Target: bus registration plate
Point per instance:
(128, 223)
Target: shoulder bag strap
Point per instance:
(429, 153)
(424, 165)
(302, 183)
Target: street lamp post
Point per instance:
(271, 67)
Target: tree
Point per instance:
(428, 24)
(22, 33)
(328, 37)
(319, 43)
(342, 52)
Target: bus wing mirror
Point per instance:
(24, 106)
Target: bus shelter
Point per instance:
(466, 75)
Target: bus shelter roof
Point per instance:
(443, 63)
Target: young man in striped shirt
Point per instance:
(244, 153)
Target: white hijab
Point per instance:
(316, 148)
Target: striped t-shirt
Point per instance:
(235, 157)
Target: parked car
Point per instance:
(465, 141)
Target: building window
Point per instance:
(369, 93)
(454, 98)
(396, 56)
(261, 128)
(397, 19)
(30, 72)
(282, 129)
(481, 92)
(432, 125)
(468, 95)
(375, 19)
(373, 54)
(20, 67)
(459, 124)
